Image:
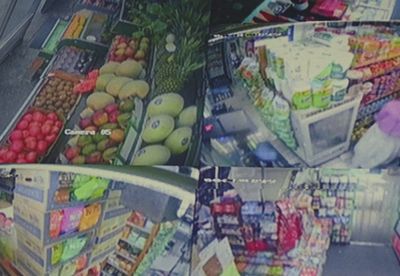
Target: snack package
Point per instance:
(81, 263)
(69, 269)
(92, 189)
(73, 247)
(62, 195)
(71, 220)
(90, 217)
(56, 253)
(56, 218)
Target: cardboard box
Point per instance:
(38, 188)
(41, 256)
(28, 267)
(37, 222)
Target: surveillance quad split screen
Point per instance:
(204, 138)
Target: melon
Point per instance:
(170, 104)
(134, 88)
(129, 68)
(188, 116)
(115, 85)
(158, 128)
(179, 140)
(103, 80)
(151, 156)
(109, 68)
(99, 100)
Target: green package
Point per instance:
(73, 247)
(92, 189)
(56, 253)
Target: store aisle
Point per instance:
(361, 260)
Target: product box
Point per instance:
(110, 226)
(51, 227)
(105, 246)
(28, 267)
(52, 256)
(44, 190)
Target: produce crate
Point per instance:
(121, 25)
(84, 13)
(62, 76)
(94, 27)
(40, 258)
(38, 224)
(190, 157)
(38, 188)
(56, 34)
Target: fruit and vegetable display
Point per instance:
(74, 60)
(124, 48)
(32, 138)
(108, 112)
(167, 131)
(57, 95)
(179, 29)
(139, 107)
(76, 26)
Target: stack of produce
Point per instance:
(179, 28)
(109, 110)
(32, 137)
(167, 131)
(57, 95)
(76, 26)
(74, 60)
(125, 48)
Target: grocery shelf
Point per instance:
(118, 268)
(138, 228)
(359, 66)
(125, 257)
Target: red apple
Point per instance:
(85, 122)
(72, 152)
(113, 118)
(100, 118)
(111, 108)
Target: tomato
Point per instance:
(31, 143)
(59, 124)
(46, 128)
(32, 157)
(25, 133)
(22, 125)
(38, 116)
(21, 161)
(34, 131)
(51, 138)
(28, 117)
(11, 157)
(55, 130)
(21, 156)
(16, 135)
(49, 122)
(17, 146)
(42, 147)
(3, 152)
(52, 116)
